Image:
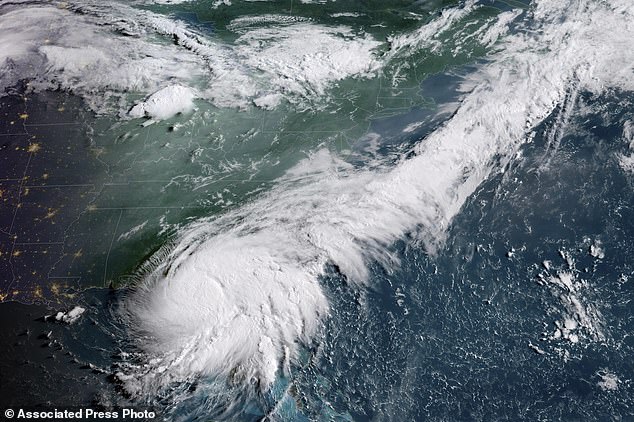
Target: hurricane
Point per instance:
(231, 313)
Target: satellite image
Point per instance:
(317, 210)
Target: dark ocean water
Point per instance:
(448, 337)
